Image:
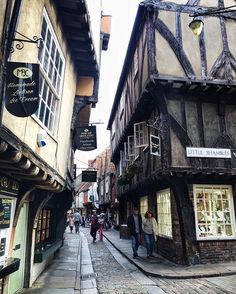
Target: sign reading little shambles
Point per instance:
(22, 88)
(86, 139)
(208, 152)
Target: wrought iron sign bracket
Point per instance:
(19, 42)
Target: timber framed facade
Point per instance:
(181, 90)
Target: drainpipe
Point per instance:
(8, 33)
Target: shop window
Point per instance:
(143, 205)
(7, 207)
(164, 213)
(43, 226)
(140, 134)
(51, 63)
(214, 212)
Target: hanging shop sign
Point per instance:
(86, 138)
(208, 152)
(89, 176)
(155, 147)
(22, 88)
(5, 213)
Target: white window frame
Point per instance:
(131, 149)
(140, 134)
(209, 213)
(121, 163)
(52, 64)
(164, 216)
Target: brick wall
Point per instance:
(217, 251)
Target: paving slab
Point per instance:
(163, 268)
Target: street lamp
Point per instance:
(196, 25)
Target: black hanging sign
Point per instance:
(22, 88)
(89, 176)
(86, 139)
(155, 147)
(5, 213)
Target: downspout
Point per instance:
(9, 28)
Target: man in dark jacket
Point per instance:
(134, 224)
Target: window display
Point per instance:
(143, 205)
(43, 226)
(164, 213)
(214, 212)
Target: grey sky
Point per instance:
(123, 14)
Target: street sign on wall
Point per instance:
(86, 138)
(208, 152)
(22, 88)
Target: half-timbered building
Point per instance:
(173, 131)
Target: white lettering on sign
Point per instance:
(208, 152)
(22, 72)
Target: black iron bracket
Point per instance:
(19, 42)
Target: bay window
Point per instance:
(214, 212)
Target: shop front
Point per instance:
(8, 197)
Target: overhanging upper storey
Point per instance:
(75, 19)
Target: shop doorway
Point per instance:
(16, 279)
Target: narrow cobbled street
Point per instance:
(116, 275)
(110, 275)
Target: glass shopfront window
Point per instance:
(214, 212)
(7, 207)
(164, 213)
(143, 205)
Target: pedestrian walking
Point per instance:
(94, 225)
(150, 230)
(71, 223)
(83, 218)
(134, 223)
(77, 220)
(101, 222)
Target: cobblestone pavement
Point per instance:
(190, 286)
(111, 277)
(116, 275)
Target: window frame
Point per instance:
(49, 102)
(43, 225)
(169, 224)
(231, 211)
(140, 128)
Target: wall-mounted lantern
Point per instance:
(196, 25)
